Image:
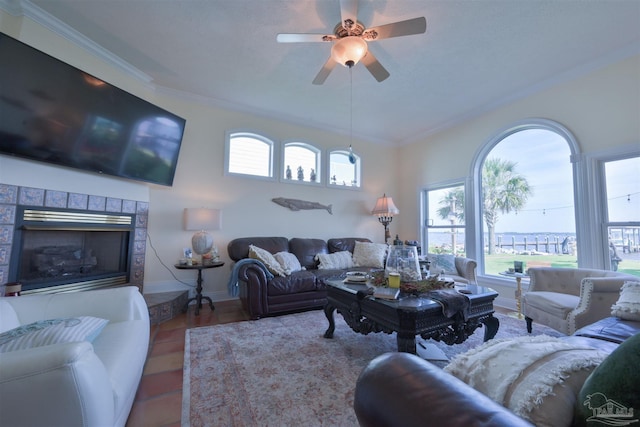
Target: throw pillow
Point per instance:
(267, 259)
(288, 261)
(611, 396)
(367, 254)
(628, 305)
(53, 331)
(335, 261)
(538, 378)
(443, 262)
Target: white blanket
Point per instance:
(519, 373)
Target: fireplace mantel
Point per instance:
(13, 197)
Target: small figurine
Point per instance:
(288, 172)
(300, 173)
(312, 175)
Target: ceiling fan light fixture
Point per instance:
(348, 51)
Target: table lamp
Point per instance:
(202, 219)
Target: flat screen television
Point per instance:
(55, 113)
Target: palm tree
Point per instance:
(452, 208)
(452, 202)
(504, 190)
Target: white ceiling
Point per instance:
(475, 55)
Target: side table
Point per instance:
(199, 297)
(518, 314)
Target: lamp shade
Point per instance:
(349, 50)
(201, 219)
(385, 207)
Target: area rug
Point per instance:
(281, 371)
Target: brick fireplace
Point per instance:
(56, 241)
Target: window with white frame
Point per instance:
(622, 213)
(249, 154)
(344, 169)
(301, 163)
(444, 230)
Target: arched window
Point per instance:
(249, 154)
(301, 163)
(344, 169)
(524, 198)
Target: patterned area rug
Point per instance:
(280, 371)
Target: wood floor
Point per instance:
(158, 402)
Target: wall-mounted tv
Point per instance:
(55, 113)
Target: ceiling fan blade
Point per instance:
(375, 68)
(397, 29)
(304, 38)
(348, 13)
(325, 71)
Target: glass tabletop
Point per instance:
(407, 301)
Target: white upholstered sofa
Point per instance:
(92, 382)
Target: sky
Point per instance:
(542, 157)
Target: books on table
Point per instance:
(386, 293)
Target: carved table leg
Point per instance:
(328, 311)
(491, 325)
(406, 343)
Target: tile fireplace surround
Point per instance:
(12, 197)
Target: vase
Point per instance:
(403, 260)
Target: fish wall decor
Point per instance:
(296, 204)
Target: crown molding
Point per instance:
(24, 8)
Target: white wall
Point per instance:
(601, 109)
(246, 205)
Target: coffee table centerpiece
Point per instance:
(425, 285)
(403, 261)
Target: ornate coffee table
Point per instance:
(409, 316)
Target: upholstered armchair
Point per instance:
(460, 269)
(567, 299)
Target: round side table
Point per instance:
(199, 297)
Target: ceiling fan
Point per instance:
(350, 39)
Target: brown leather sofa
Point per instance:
(262, 294)
(401, 389)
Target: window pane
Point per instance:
(446, 222)
(528, 209)
(250, 156)
(622, 179)
(342, 171)
(301, 163)
(623, 189)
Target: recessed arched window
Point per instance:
(344, 169)
(301, 163)
(249, 154)
(525, 200)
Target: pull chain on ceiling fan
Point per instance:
(350, 39)
(352, 157)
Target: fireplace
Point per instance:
(53, 241)
(71, 249)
